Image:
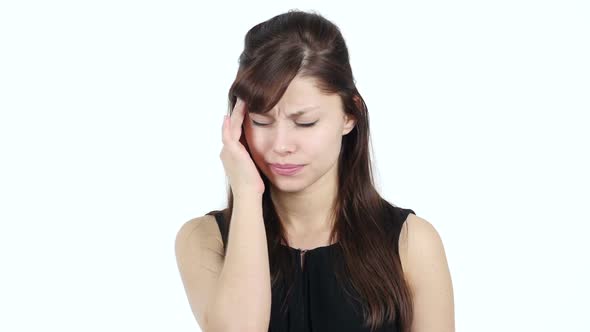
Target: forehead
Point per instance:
(301, 87)
(303, 97)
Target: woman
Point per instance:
(312, 246)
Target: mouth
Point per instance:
(286, 166)
(286, 169)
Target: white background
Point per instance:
(110, 132)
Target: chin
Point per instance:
(287, 185)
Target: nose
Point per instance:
(283, 140)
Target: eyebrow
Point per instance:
(299, 112)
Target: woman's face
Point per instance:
(311, 138)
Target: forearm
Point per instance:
(243, 296)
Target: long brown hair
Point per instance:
(304, 44)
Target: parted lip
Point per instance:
(285, 166)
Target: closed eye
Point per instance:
(306, 125)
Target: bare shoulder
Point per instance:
(427, 272)
(201, 230)
(199, 256)
(199, 245)
(418, 241)
(417, 231)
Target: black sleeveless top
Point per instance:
(317, 303)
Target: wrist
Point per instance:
(247, 196)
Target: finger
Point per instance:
(237, 112)
(237, 118)
(225, 133)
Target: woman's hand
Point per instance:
(243, 175)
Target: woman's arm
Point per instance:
(426, 269)
(232, 293)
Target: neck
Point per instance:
(307, 211)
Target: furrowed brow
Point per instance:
(298, 113)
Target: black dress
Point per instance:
(317, 303)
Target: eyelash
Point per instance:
(305, 125)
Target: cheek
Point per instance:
(318, 141)
(323, 146)
(253, 138)
(331, 147)
(257, 142)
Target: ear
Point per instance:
(349, 123)
(349, 120)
